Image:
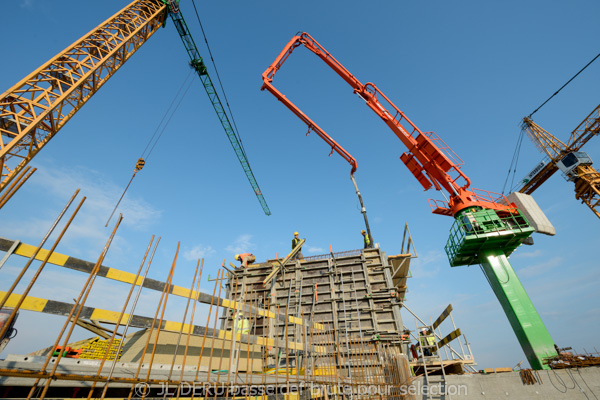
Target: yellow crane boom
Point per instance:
(575, 164)
(36, 108)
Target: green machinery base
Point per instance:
(488, 237)
(522, 315)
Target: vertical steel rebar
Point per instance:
(212, 344)
(233, 353)
(9, 192)
(239, 351)
(267, 339)
(224, 338)
(37, 250)
(189, 334)
(40, 268)
(118, 324)
(85, 291)
(162, 314)
(206, 326)
(166, 288)
(187, 306)
(133, 307)
(239, 307)
(346, 321)
(254, 332)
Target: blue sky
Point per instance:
(468, 71)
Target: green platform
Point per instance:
(488, 237)
(475, 231)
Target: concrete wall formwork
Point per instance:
(352, 294)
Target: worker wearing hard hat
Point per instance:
(295, 242)
(367, 239)
(245, 259)
(427, 342)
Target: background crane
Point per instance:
(567, 157)
(487, 227)
(35, 109)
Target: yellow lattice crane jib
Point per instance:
(576, 165)
(36, 108)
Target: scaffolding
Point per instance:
(326, 326)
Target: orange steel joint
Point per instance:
(428, 158)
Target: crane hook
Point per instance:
(331, 151)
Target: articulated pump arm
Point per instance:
(268, 78)
(427, 161)
(484, 232)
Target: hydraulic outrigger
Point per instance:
(487, 227)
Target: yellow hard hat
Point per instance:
(295, 233)
(237, 257)
(362, 231)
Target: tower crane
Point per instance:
(34, 110)
(487, 227)
(567, 157)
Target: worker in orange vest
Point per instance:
(245, 259)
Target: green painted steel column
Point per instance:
(522, 315)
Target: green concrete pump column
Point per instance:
(524, 319)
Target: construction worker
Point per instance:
(427, 340)
(367, 240)
(245, 259)
(413, 352)
(295, 242)
(243, 325)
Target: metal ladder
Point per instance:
(430, 380)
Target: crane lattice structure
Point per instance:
(34, 110)
(575, 164)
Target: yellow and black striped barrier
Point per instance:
(46, 306)
(61, 260)
(442, 317)
(451, 336)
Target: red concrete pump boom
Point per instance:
(486, 229)
(428, 158)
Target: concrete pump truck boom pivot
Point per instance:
(487, 227)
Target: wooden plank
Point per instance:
(282, 264)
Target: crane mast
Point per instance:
(487, 227)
